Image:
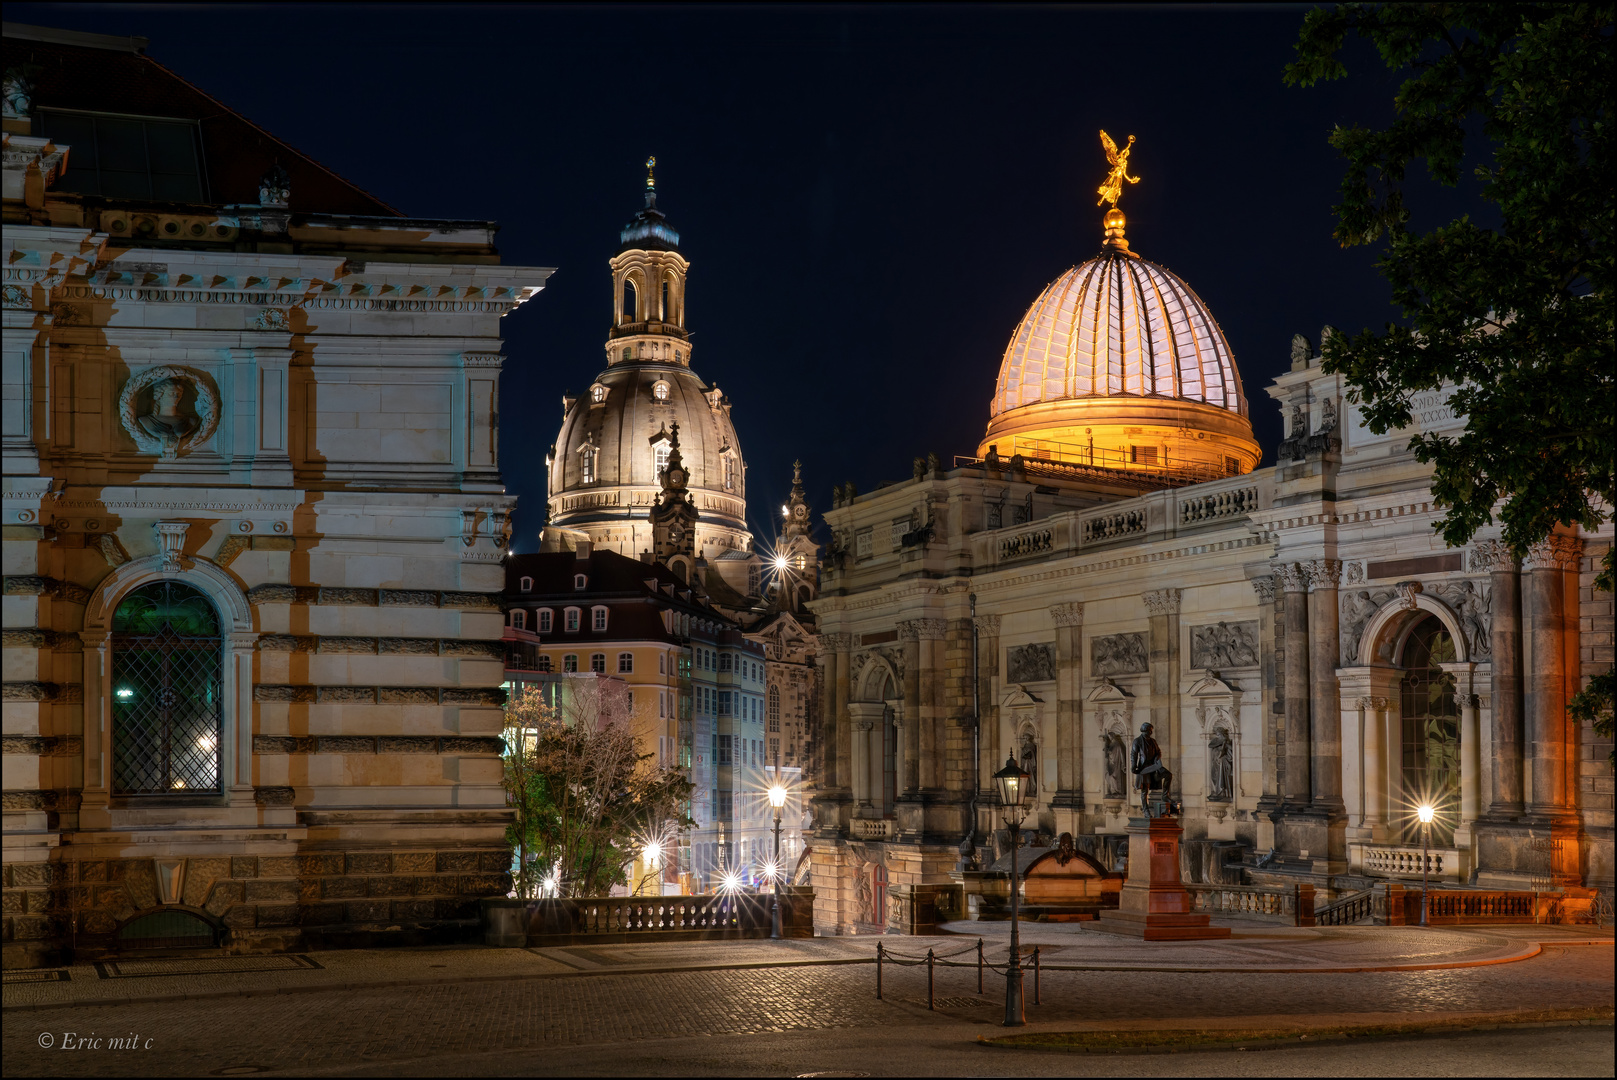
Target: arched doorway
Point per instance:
(1430, 750)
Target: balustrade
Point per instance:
(871, 828)
(1032, 542)
(1113, 526)
(1253, 901)
(1439, 864)
(1218, 505)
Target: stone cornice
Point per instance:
(377, 744)
(477, 648)
(317, 594)
(381, 695)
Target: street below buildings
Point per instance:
(800, 1007)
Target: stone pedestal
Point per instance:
(1153, 904)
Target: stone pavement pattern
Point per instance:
(466, 1020)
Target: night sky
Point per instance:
(870, 197)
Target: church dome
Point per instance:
(1119, 364)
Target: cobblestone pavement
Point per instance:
(519, 1025)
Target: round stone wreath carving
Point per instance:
(207, 407)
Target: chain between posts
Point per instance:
(932, 959)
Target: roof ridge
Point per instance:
(270, 135)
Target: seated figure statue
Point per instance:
(1151, 777)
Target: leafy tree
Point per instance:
(1519, 318)
(582, 794)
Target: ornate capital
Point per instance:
(1069, 614)
(1163, 601)
(1265, 588)
(989, 624)
(908, 630)
(1492, 555)
(1292, 578)
(921, 630)
(1554, 552)
(840, 643)
(1322, 573)
(1373, 704)
(1407, 591)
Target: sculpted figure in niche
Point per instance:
(1327, 415)
(165, 422)
(1221, 766)
(1030, 763)
(1116, 765)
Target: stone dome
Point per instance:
(604, 466)
(1119, 363)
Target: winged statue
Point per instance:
(1112, 189)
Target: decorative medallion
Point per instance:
(167, 409)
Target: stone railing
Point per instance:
(1381, 860)
(1278, 903)
(656, 918)
(1028, 542)
(1459, 907)
(1218, 505)
(1103, 527)
(871, 828)
(1348, 910)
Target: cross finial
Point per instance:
(651, 179)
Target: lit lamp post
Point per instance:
(777, 800)
(1011, 783)
(1426, 814)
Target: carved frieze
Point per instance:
(1031, 663)
(1322, 573)
(1118, 654)
(988, 625)
(1554, 552)
(1492, 555)
(1224, 645)
(1292, 578)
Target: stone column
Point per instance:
(1069, 620)
(1162, 606)
(987, 679)
(1505, 681)
(1297, 790)
(930, 634)
(865, 727)
(96, 796)
(1373, 713)
(914, 714)
(1470, 759)
(1543, 615)
(1324, 710)
(838, 737)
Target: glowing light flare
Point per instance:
(1426, 813)
(731, 882)
(124, 693)
(653, 854)
(777, 796)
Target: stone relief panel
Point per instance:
(1031, 663)
(1472, 604)
(1358, 605)
(167, 408)
(1118, 654)
(1221, 646)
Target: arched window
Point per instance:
(628, 300)
(729, 473)
(542, 664)
(587, 464)
(545, 616)
(598, 663)
(598, 619)
(625, 663)
(774, 708)
(569, 662)
(668, 312)
(660, 454)
(628, 352)
(1431, 731)
(519, 620)
(167, 714)
(527, 584)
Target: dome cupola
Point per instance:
(1119, 364)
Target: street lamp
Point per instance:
(1011, 783)
(777, 799)
(1425, 813)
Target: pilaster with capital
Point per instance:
(838, 735)
(911, 779)
(1162, 607)
(1324, 708)
(1544, 592)
(1296, 785)
(1265, 589)
(1069, 623)
(1505, 677)
(988, 686)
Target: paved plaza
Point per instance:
(795, 1007)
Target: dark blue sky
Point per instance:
(870, 197)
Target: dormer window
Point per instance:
(586, 464)
(581, 581)
(598, 619)
(572, 620)
(526, 584)
(660, 391)
(729, 473)
(660, 451)
(597, 393)
(545, 615)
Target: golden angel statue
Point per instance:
(1112, 189)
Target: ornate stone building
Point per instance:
(253, 524)
(1314, 660)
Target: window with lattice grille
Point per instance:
(167, 714)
